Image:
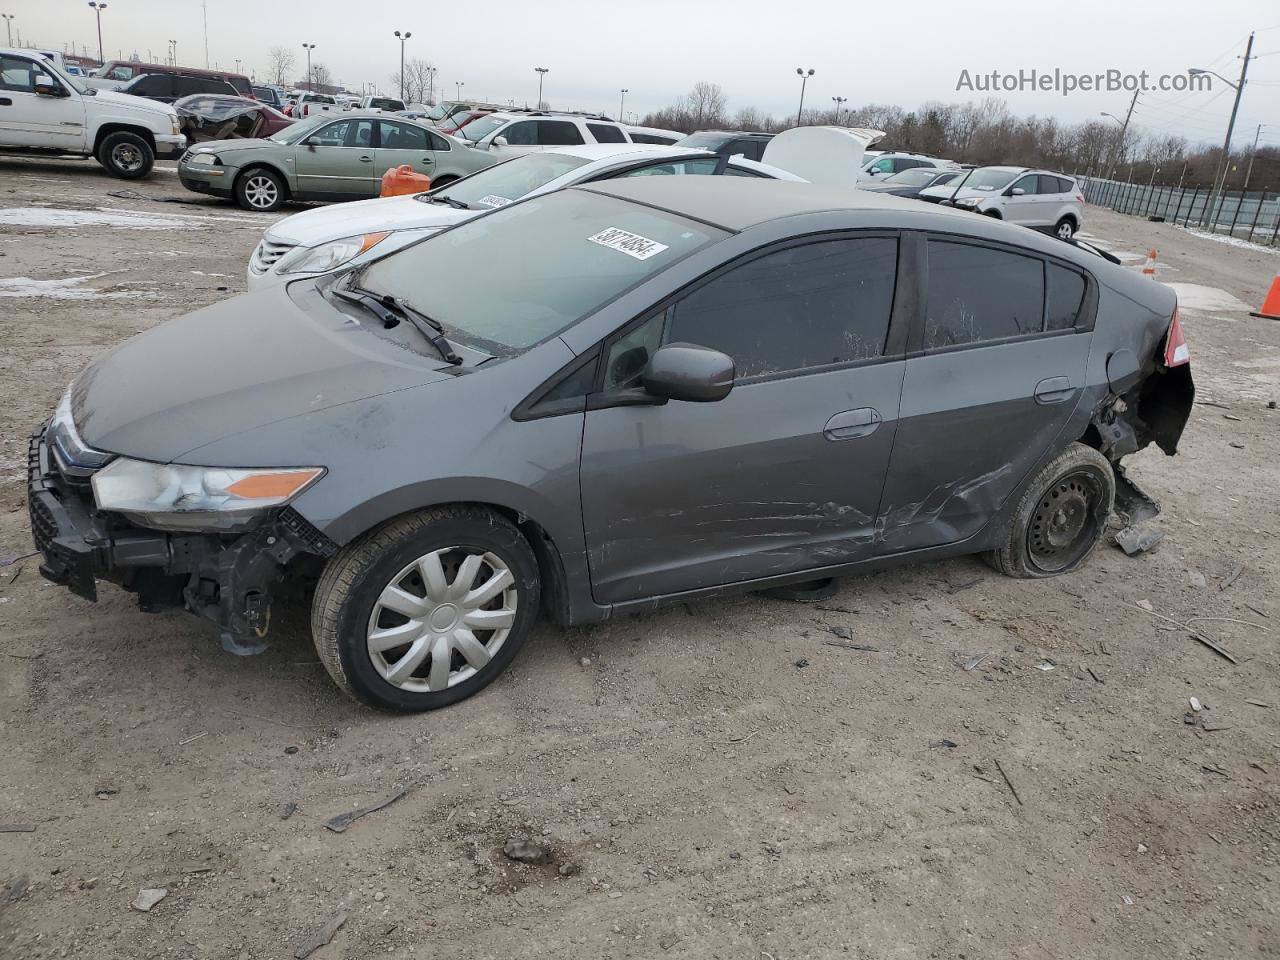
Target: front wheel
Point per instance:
(1066, 229)
(260, 190)
(1061, 516)
(126, 155)
(427, 609)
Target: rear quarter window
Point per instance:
(606, 133)
(1064, 298)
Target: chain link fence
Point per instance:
(1252, 215)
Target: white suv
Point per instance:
(44, 111)
(1040, 199)
(514, 134)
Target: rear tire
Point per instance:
(452, 640)
(126, 155)
(260, 190)
(442, 181)
(1065, 229)
(1061, 517)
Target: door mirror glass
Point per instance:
(685, 371)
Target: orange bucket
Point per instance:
(402, 180)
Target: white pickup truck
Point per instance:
(43, 111)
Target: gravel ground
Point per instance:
(709, 781)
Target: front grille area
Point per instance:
(59, 523)
(267, 254)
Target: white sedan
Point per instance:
(318, 241)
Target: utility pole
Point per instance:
(1124, 128)
(804, 78)
(1221, 179)
(97, 9)
(541, 72)
(1252, 153)
(402, 37)
(621, 101)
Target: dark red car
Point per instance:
(208, 116)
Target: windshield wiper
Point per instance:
(386, 308)
(451, 201)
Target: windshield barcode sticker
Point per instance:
(632, 244)
(493, 200)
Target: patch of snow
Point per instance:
(1197, 298)
(68, 289)
(1231, 241)
(123, 220)
(201, 273)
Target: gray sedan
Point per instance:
(599, 400)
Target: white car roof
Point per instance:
(602, 156)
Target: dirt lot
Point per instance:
(726, 784)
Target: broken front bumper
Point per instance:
(226, 578)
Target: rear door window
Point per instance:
(155, 85)
(401, 136)
(558, 133)
(1065, 296)
(981, 293)
(797, 308)
(606, 133)
(522, 134)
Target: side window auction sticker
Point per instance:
(632, 244)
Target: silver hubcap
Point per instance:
(261, 191)
(127, 157)
(441, 619)
(1064, 231)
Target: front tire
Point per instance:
(126, 155)
(426, 610)
(1061, 517)
(260, 190)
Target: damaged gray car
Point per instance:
(596, 401)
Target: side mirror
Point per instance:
(499, 141)
(1015, 192)
(309, 143)
(45, 87)
(685, 371)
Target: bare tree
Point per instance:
(706, 104)
(417, 84)
(321, 77)
(282, 60)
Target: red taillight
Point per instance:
(1175, 344)
(1080, 198)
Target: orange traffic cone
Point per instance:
(1150, 268)
(1270, 306)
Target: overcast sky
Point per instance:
(896, 53)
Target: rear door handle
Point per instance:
(852, 424)
(428, 159)
(1054, 390)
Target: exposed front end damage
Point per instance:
(225, 578)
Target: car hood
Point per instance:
(232, 367)
(128, 100)
(312, 227)
(223, 147)
(945, 191)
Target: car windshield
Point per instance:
(916, 177)
(989, 179)
(514, 278)
(296, 131)
(498, 185)
(479, 129)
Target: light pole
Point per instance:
(237, 64)
(97, 9)
(621, 101)
(460, 84)
(804, 78)
(173, 52)
(309, 47)
(431, 83)
(1124, 128)
(8, 25)
(838, 102)
(542, 72)
(403, 37)
(1235, 107)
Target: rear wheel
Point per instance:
(1061, 517)
(1066, 229)
(442, 181)
(126, 155)
(427, 609)
(260, 189)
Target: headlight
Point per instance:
(176, 127)
(969, 201)
(328, 256)
(173, 496)
(204, 160)
(76, 456)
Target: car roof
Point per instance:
(608, 151)
(734, 133)
(737, 203)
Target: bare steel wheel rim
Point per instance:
(127, 157)
(261, 191)
(1066, 522)
(441, 619)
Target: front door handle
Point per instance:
(366, 159)
(852, 424)
(428, 160)
(1054, 390)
